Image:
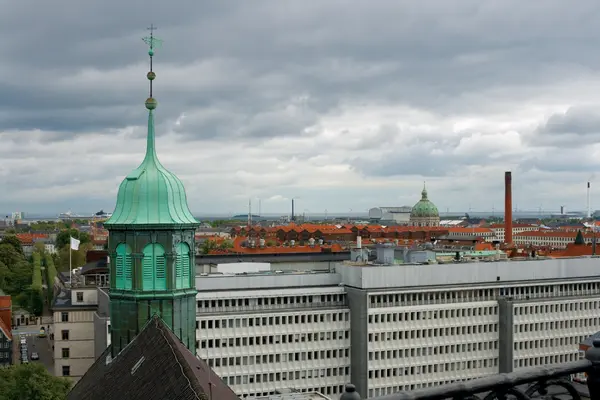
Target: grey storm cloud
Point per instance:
(426, 56)
(247, 73)
(578, 126)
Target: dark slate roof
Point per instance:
(154, 366)
(97, 266)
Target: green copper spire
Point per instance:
(151, 195)
(152, 247)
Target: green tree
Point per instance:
(13, 241)
(45, 226)
(39, 247)
(20, 271)
(4, 276)
(208, 246)
(36, 282)
(64, 237)
(31, 382)
(225, 245)
(50, 276)
(32, 300)
(579, 239)
(77, 256)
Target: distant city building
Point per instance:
(17, 216)
(390, 215)
(550, 238)
(424, 213)
(499, 230)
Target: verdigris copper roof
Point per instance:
(151, 196)
(424, 208)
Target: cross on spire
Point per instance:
(153, 43)
(151, 40)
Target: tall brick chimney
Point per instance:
(508, 230)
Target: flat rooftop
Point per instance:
(374, 276)
(271, 258)
(293, 396)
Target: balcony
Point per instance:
(554, 382)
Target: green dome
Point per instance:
(424, 208)
(151, 195)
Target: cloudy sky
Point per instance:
(344, 105)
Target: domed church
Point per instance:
(424, 213)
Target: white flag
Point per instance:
(74, 244)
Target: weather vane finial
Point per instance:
(154, 43)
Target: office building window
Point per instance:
(65, 352)
(65, 334)
(64, 317)
(66, 370)
(79, 296)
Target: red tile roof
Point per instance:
(5, 329)
(27, 238)
(555, 233)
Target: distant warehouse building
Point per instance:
(390, 215)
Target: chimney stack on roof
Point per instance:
(508, 231)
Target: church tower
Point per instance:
(151, 246)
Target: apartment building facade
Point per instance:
(500, 230)
(73, 331)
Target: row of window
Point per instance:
(553, 308)
(328, 390)
(551, 326)
(433, 368)
(286, 375)
(305, 301)
(428, 315)
(275, 320)
(432, 332)
(154, 267)
(274, 339)
(543, 343)
(546, 360)
(429, 351)
(278, 358)
(478, 295)
(572, 341)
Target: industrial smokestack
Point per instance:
(589, 205)
(293, 218)
(508, 231)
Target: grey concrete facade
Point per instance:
(359, 307)
(101, 318)
(499, 272)
(505, 335)
(273, 258)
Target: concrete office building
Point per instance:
(409, 326)
(266, 332)
(387, 328)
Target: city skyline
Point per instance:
(343, 107)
